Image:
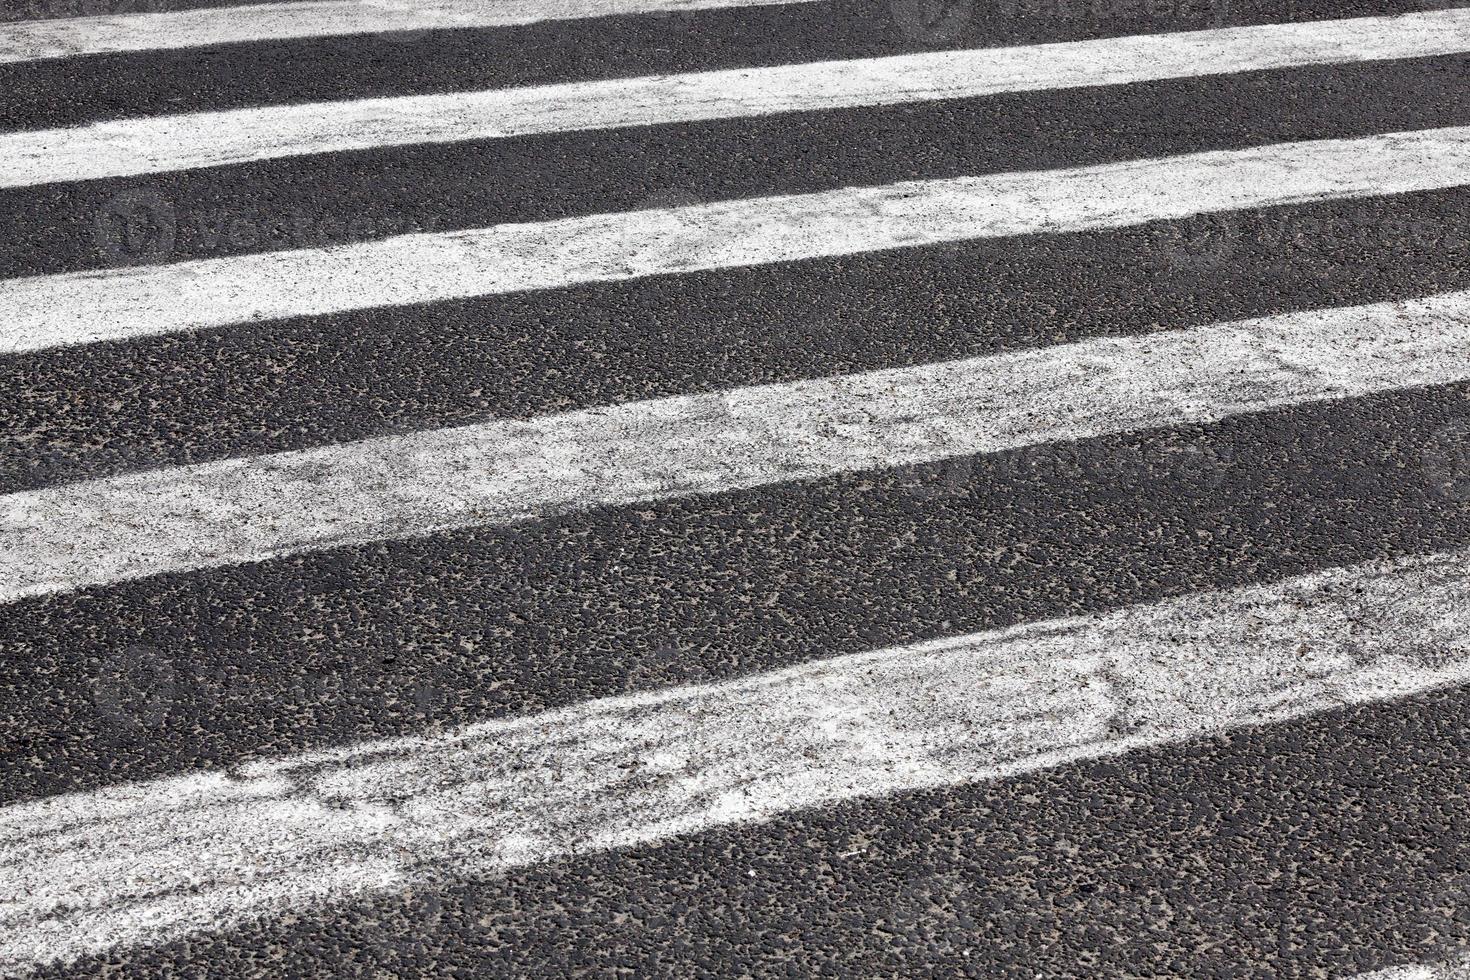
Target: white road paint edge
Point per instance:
(87, 307)
(37, 40)
(167, 143)
(146, 863)
(255, 508)
(1454, 969)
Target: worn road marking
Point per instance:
(115, 304)
(35, 40)
(249, 509)
(145, 863)
(166, 143)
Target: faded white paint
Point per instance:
(166, 143)
(117, 304)
(145, 863)
(34, 40)
(1454, 969)
(241, 510)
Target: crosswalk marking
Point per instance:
(168, 143)
(152, 861)
(89, 307)
(144, 31)
(248, 509)
(119, 837)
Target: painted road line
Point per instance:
(168, 143)
(84, 307)
(1453, 969)
(146, 863)
(38, 40)
(248, 509)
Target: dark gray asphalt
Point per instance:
(328, 199)
(71, 91)
(1324, 847)
(386, 638)
(295, 383)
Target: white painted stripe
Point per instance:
(165, 143)
(1456, 969)
(145, 863)
(248, 509)
(115, 304)
(40, 39)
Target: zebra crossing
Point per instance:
(276, 836)
(248, 509)
(137, 301)
(151, 26)
(135, 146)
(886, 559)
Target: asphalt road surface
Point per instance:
(856, 488)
